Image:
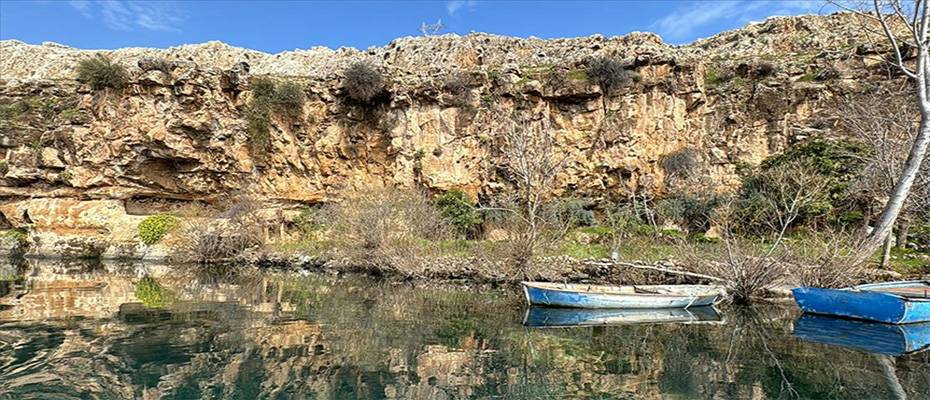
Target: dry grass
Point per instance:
(237, 229)
(384, 228)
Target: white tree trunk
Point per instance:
(902, 188)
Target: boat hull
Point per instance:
(871, 337)
(538, 296)
(865, 303)
(550, 317)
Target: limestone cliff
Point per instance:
(90, 163)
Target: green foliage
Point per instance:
(4, 167)
(457, 208)
(18, 234)
(691, 212)
(152, 294)
(574, 213)
(839, 163)
(155, 227)
(712, 77)
(101, 73)
(307, 221)
(269, 98)
(364, 84)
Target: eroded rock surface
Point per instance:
(86, 163)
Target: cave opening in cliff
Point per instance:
(4, 222)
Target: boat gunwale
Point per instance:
(711, 290)
(871, 287)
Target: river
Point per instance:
(83, 329)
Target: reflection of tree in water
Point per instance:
(276, 336)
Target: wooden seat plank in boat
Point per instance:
(910, 292)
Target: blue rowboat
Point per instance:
(595, 296)
(551, 317)
(890, 303)
(870, 337)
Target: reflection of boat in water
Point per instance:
(599, 296)
(871, 337)
(890, 302)
(543, 317)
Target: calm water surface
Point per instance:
(122, 331)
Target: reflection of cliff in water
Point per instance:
(79, 330)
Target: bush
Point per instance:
(101, 73)
(4, 167)
(693, 213)
(307, 221)
(458, 210)
(780, 196)
(152, 294)
(155, 227)
(18, 234)
(573, 213)
(363, 83)
(155, 64)
(836, 164)
(238, 228)
(609, 74)
(270, 97)
(383, 228)
(682, 164)
(458, 89)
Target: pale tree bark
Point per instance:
(904, 25)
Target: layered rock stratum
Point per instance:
(91, 164)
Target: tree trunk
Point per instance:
(902, 188)
(886, 251)
(903, 227)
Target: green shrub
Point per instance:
(101, 73)
(574, 213)
(691, 212)
(307, 221)
(269, 98)
(458, 210)
(363, 83)
(4, 167)
(609, 74)
(152, 294)
(155, 227)
(18, 234)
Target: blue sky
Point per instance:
(275, 26)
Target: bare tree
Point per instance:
(888, 121)
(432, 29)
(532, 162)
(904, 24)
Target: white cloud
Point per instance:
(682, 23)
(131, 15)
(455, 5)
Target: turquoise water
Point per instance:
(115, 331)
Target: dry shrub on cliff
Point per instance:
(364, 84)
(237, 229)
(608, 73)
(457, 88)
(101, 73)
(384, 229)
(681, 164)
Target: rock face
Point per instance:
(88, 163)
